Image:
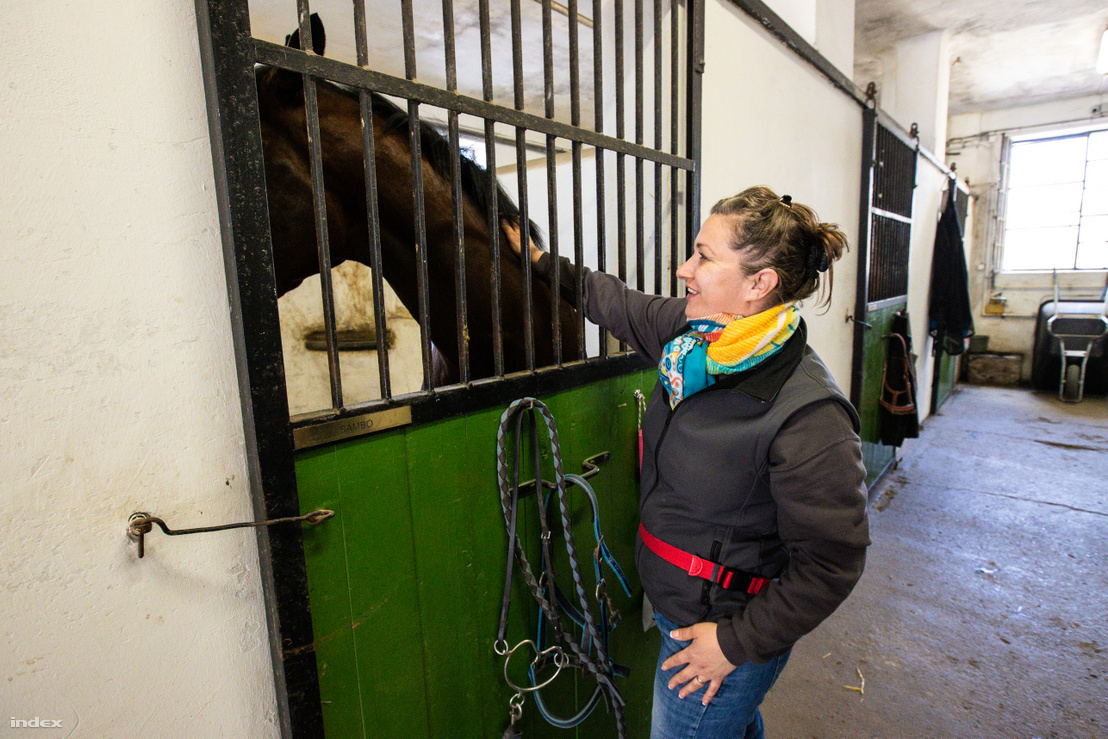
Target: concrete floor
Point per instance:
(983, 611)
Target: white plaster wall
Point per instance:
(975, 144)
(913, 85)
(927, 204)
(835, 32)
(770, 119)
(118, 389)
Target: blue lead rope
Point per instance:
(565, 648)
(609, 617)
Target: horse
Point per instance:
(293, 227)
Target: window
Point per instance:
(1056, 212)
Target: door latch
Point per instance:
(140, 524)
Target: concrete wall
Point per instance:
(976, 144)
(118, 389)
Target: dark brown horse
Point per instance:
(292, 221)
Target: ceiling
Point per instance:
(1028, 51)
(1002, 53)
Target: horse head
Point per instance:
(292, 218)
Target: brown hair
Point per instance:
(775, 233)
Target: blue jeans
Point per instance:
(733, 711)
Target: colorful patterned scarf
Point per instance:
(723, 344)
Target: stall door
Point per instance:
(888, 182)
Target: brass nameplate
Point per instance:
(347, 428)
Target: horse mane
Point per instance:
(475, 179)
(436, 150)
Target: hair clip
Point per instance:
(787, 200)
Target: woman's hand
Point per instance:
(511, 232)
(703, 659)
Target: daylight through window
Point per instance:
(1056, 214)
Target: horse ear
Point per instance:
(319, 36)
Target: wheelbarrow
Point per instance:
(1076, 333)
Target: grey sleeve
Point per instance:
(818, 482)
(645, 322)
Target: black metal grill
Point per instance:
(894, 173)
(888, 277)
(894, 181)
(677, 154)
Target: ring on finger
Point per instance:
(700, 680)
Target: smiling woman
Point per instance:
(752, 486)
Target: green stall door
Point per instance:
(405, 582)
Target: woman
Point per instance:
(753, 498)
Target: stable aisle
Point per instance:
(983, 611)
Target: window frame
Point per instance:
(1005, 187)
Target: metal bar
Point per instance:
(674, 224)
(640, 228)
(578, 245)
(373, 217)
(552, 214)
(891, 216)
(695, 93)
(598, 124)
(521, 181)
(460, 307)
(657, 115)
(319, 202)
(346, 74)
(551, 177)
(231, 97)
(575, 149)
(621, 173)
(640, 231)
(415, 145)
(490, 163)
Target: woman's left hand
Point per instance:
(703, 659)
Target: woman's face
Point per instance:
(714, 276)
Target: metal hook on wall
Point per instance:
(140, 524)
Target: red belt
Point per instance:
(699, 567)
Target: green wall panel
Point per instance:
(948, 372)
(405, 581)
(875, 455)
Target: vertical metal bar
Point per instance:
(319, 201)
(640, 231)
(551, 176)
(460, 307)
(657, 115)
(414, 144)
(621, 173)
(369, 155)
(521, 179)
(674, 94)
(231, 95)
(598, 113)
(494, 192)
(695, 91)
(575, 119)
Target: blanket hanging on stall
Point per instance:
(899, 416)
(950, 319)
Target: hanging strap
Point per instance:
(725, 577)
(895, 404)
(601, 666)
